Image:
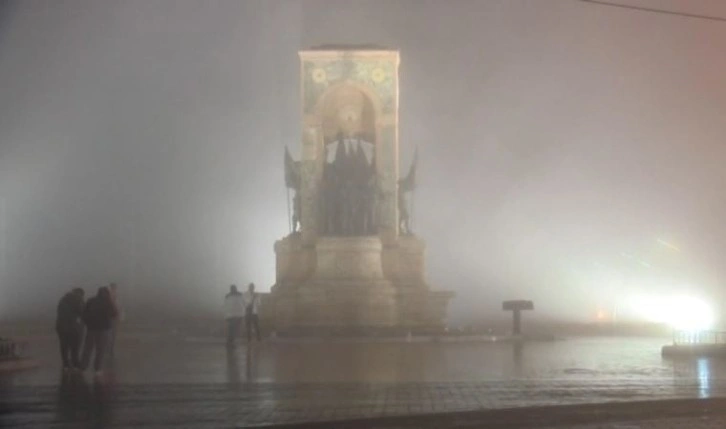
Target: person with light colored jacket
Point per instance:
(252, 304)
(234, 311)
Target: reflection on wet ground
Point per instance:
(78, 400)
(202, 383)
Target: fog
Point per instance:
(142, 142)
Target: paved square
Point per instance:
(198, 383)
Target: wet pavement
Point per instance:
(185, 382)
(679, 423)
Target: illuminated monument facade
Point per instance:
(351, 263)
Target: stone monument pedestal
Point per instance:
(353, 285)
(353, 266)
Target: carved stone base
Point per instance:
(347, 284)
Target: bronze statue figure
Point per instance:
(293, 180)
(406, 186)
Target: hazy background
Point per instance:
(141, 142)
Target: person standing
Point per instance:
(98, 317)
(118, 309)
(234, 311)
(252, 320)
(69, 328)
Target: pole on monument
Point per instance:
(413, 190)
(289, 217)
(410, 217)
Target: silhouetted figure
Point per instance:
(406, 185)
(118, 318)
(252, 320)
(98, 317)
(69, 327)
(234, 311)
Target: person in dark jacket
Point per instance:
(69, 327)
(98, 317)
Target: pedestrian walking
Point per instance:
(234, 311)
(69, 327)
(252, 320)
(98, 316)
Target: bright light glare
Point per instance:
(680, 312)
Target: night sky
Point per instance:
(569, 152)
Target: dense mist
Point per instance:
(570, 153)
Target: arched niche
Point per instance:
(351, 110)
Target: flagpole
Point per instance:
(413, 191)
(410, 217)
(289, 218)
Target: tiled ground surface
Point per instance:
(168, 384)
(676, 423)
(77, 400)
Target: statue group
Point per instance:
(349, 190)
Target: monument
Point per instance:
(351, 262)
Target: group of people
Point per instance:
(89, 327)
(238, 306)
(91, 323)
